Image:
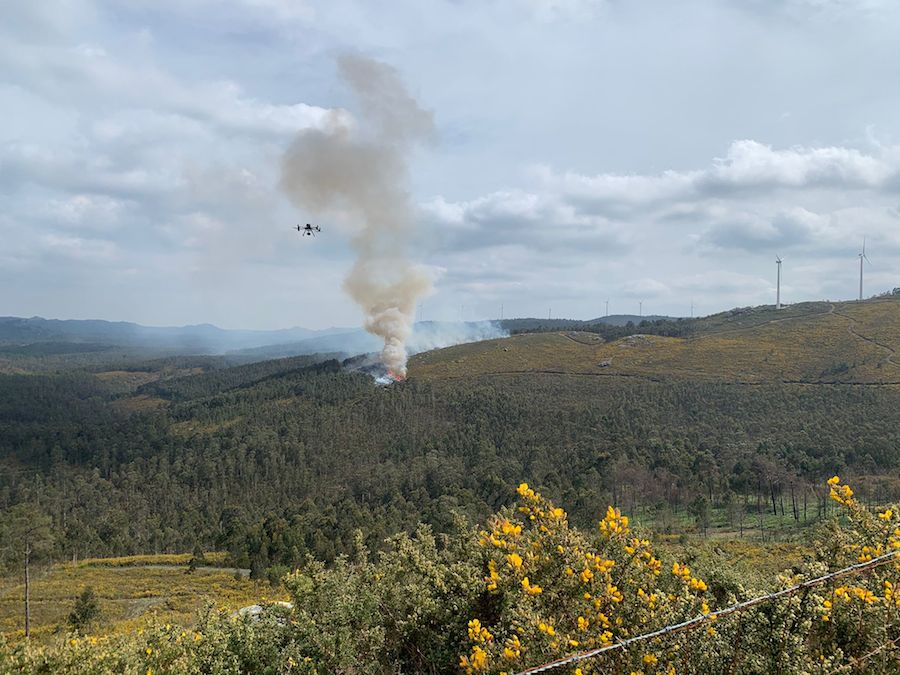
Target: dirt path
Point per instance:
(889, 359)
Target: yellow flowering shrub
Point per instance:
(561, 590)
(603, 587)
(527, 589)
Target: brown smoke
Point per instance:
(357, 171)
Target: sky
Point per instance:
(635, 151)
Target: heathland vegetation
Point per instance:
(526, 589)
(724, 428)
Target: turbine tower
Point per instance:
(778, 284)
(862, 257)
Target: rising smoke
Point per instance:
(356, 171)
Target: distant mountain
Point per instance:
(202, 338)
(426, 335)
(349, 342)
(37, 336)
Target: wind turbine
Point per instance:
(862, 257)
(778, 285)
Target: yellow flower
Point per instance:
(509, 528)
(476, 661)
(478, 633)
(149, 651)
(512, 648)
(604, 566)
(887, 515)
(698, 585)
(515, 560)
(649, 660)
(531, 589)
(583, 623)
(834, 480)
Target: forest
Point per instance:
(282, 459)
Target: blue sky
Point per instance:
(586, 149)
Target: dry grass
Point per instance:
(127, 378)
(139, 404)
(747, 559)
(132, 592)
(214, 558)
(825, 343)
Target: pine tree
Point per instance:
(86, 610)
(27, 539)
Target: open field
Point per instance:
(816, 343)
(132, 592)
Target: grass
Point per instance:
(132, 591)
(816, 343)
(755, 563)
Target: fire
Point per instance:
(395, 376)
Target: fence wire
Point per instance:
(712, 616)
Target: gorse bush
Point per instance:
(527, 589)
(557, 590)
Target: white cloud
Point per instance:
(645, 288)
(88, 212)
(80, 249)
(146, 136)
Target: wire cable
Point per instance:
(712, 616)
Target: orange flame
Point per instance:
(395, 377)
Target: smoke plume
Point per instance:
(356, 171)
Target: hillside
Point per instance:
(277, 460)
(810, 343)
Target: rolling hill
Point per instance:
(202, 338)
(810, 343)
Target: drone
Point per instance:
(309, 230)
